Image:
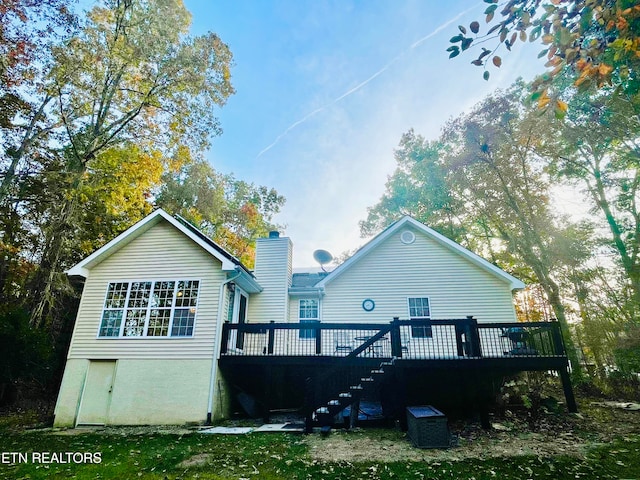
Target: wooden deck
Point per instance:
(318, 361)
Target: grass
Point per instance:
(284, 456)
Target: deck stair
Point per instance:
(325, 414)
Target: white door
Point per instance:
(96, 396)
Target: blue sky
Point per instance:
(325, 89)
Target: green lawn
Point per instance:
(286, 456)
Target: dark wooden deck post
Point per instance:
(401, 377)
(558, 343)
(568, 390)
(318, 332)
(308, 405)
(271, 337)
(396, 342)
(268, 393)
(354, 412)
(240, 336)
(460, 328)
(473, 337)
(224, 341)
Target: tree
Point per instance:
(25, 28)
(598, 40)
(28, 29)
(497, 183)
(596, 148)
(418, 187)
(129, 75)
(232, 212)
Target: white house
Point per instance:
(147, 338)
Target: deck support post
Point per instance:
(353, 414)
(568, 390)
(401, 375)
(318, 333)
(396, 342)
(270, 338)
(240, 336)
(459, 343)
(268, 393)
(224, 341)
(558, 343)
(485, 421)
(308, 405)
(473, 337)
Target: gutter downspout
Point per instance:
(218, 346)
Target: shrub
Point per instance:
(26, 355)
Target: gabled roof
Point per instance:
(429, 232)
(229, 262)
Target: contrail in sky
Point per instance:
(365, 82)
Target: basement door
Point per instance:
(96, 396)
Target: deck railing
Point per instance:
(409, 339)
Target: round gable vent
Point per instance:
(407, 237)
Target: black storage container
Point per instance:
(427, 427)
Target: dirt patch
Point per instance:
(353, 448)
(623, 405)
(564, 434)
(123, 431)
(196, 460)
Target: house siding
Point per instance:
(162, 253)
(71, 387)
(158, 392)
(273, 272)
(145, 391)
(394, 271)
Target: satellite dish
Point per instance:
(322, 257)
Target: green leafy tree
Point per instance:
(26, 27)
(596, 148)
(500, 176)
(28, 30)
(232, 212)
(130, 75)
(418, 188)
(492, 174)
(597, 40)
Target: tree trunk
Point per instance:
(59, 232)
(629, 262)
(30, 135)
(553, 296)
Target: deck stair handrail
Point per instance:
(317, 394)
(324, 411)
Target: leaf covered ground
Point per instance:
(602, 442)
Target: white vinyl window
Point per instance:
(309, 312)
(419, 310)
(150, 309)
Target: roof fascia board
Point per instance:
(82, 268)
(246, 281)
(305, 291)
(446, 242)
